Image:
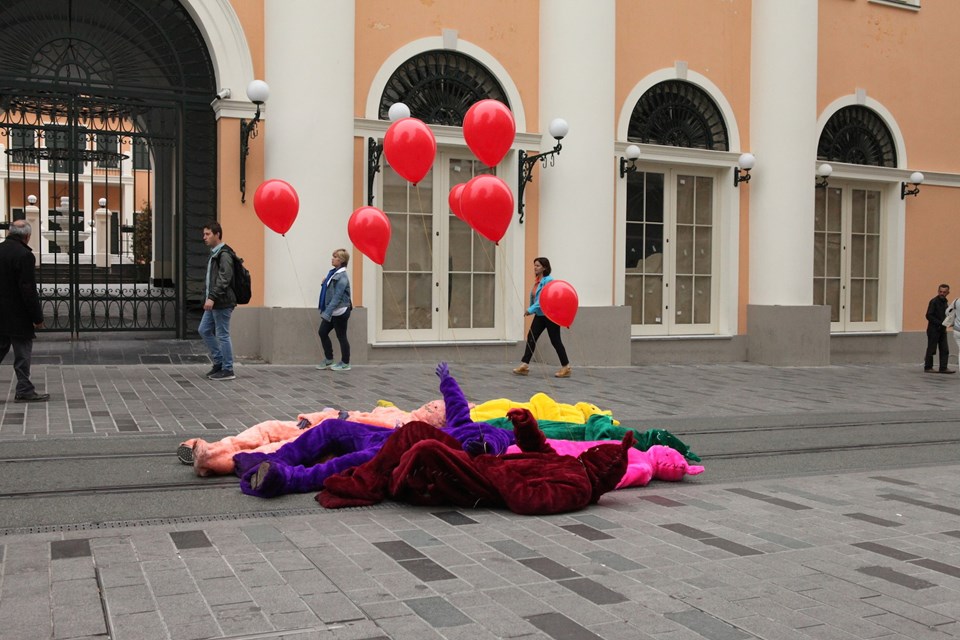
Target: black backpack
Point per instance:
(241, 285)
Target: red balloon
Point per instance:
(559, 302)
(487, 205)
(369, 230)
(410, 148)
(489, 130)
(454, 200)
(276, 203)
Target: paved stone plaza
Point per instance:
(793, 555)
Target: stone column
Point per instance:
(31, 213)
(101, 230)
(308, 140)
(783, 326)
(576, 194)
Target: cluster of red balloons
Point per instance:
(486, 202)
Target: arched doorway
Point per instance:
(673, 216)
(111, 155)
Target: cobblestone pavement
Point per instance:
(838, 556)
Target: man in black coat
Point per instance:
(936, 332)
(20, 311)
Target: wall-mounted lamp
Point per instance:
(741, 173)
(397, 111)
(916, 179)
(257, 91)
(558, 129)
(628, 161)
(823, 172)
(374, 151)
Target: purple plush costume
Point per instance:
(295, 467)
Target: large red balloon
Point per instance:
(489, 130)
(276, 203)
(410, 148)
(559, 302)
(454, 200)
(369, 230)
(487, 205)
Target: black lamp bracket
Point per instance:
(374, 151)
(248, 130)
(547, 158)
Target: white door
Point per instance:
(671, 256)
(439, 278)
(847, 255)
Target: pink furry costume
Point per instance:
(216, 458)
(659, 462)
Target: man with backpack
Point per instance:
(220, 300)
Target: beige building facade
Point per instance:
(677, 253)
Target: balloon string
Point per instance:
(324, 382)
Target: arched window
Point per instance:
(439, 281)
(440, 86)
(857, 135)
(849, 222)
(678, 114)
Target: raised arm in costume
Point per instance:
(302, 465)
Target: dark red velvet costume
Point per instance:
(420, 465)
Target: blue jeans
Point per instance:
(215, 331)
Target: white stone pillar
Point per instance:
(308, 139)
(126, 213)
(101, 231)
(31, 213)
(577, 70)
(783, 137)
(783, 326)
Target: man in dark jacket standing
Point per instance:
(936, 332)
(219, 303)
(20, 311)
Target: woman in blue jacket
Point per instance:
(335, 307)
(541, 271)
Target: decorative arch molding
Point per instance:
(411, 49)
(678, 73)
(232, 63)
(861, 100)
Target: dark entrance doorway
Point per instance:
(110, 154)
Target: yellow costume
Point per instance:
(542, 406)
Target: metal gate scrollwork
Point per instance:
(81, 171)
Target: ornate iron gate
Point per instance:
(109, 101)
(91, 175)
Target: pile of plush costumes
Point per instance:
(539, 457)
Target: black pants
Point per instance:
(339, 325)
(22, 352)
(553, 330)
(936, 339)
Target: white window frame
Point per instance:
(726, 250)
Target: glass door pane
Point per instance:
(694, 250)
(645, 247)
(827, 246)
(471, 281)
(407, 295)
(864, 255)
